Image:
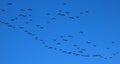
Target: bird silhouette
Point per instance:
(24, 17)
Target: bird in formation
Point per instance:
(26, 15)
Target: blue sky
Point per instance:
(59, 31)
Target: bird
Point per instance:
(22, 10)
(30, 20)
(65, 40)
(80, 51)
(9, 3)
(2, 10)
(107, 48)
(26, 22)
(87, 11)
(36, 37)
(81, 12)
(61, 36)
(59, 10)
(71, 17)
(61, 14)
(69, 52)
(48, 14)
(70, 36)
(55, 40)
(88, 42)
(53, 18)
(48, 22)
(77, 16)
(94, 45)
(12, 19)
(58, 43)
(64, 3)
(67, 12)
(87, 55)
(29, 9)
(81, 32)
(26, 14)
(97, 55)
(29, 14)
(113, 42)
(75, 45)
(21, 27)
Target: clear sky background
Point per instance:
(59, 31)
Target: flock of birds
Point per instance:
(26, 15)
